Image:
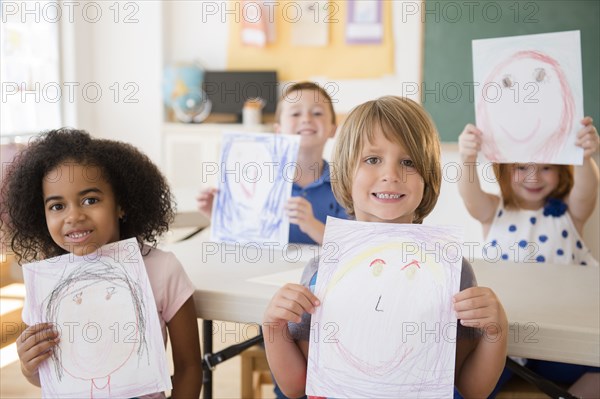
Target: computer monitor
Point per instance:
(228, 90)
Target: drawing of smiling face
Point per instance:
(94, 343)
(248, 160)
(397, 293)
(526, 110)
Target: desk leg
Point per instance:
(207, 347)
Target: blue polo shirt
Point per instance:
(324, 204)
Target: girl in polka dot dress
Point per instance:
(543, 208)
(539, 218)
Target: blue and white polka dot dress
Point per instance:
(544, 235)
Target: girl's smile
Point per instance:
(78, 235)
(533, 183)
(81, 210)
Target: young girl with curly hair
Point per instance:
(70, 193)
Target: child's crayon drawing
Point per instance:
(529, 97)
(385, 326)
(110, 336)
(257, 171)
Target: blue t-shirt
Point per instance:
(324, 204)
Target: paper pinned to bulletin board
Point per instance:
(257, 28)
(310, 31)
(336, 60)
(364, 22)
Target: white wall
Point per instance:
(110, 55)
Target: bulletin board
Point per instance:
(336, 60)
(450, 27)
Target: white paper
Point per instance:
(111, 343)
(257, 172)
(386, 327)
(529, 97)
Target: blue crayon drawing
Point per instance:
(256, 175)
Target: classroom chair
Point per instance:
(255, 373)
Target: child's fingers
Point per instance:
(589, 130)
(587, 121)
(32, 365)
(297, 202)
(297, 297)
(587, 137)
(290, 303)
(475, 298)
(471, 145)
(33, 334)
(207, 193)
(287, 314)
(296, 212)
(301, 294)
(471, 292)
(480, 313)
(470, 128)
(38, 353)
(35, 343)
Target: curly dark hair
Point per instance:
(139, 188)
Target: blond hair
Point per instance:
(401, 121)
(304, 86)
(504, 175)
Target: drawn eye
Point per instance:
(109, 293)
(507, 81)
(540, 74)
(77, 298)
(377, 266)
(412, 263)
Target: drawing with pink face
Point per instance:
(96, 343)
(527, 109)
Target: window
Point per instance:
(30, 70)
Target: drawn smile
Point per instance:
(522, 139)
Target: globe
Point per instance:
(192, 107)
(179, 80)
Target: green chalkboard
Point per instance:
(450, 26)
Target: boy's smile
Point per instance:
(81, 211)
(386, 185)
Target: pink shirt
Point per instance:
(171, 288)
(170, 284)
